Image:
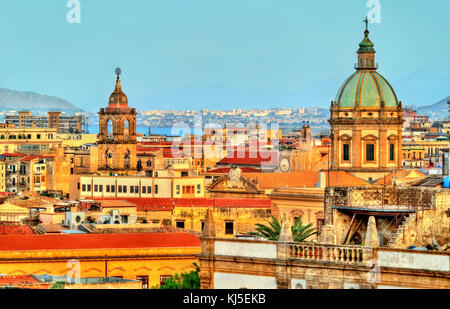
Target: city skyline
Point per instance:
(205, 55)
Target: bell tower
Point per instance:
(117, 133)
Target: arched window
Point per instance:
(127, 160)
(126, 129)
(108, 159)
(109, 128)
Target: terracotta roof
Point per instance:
(304, 179)
(402, 176)
(167, 204)
(97, 241)
(6, 154)
(29, 158)
(269, 158)
(15, 230)
(110, 203)
(17, 280)
(226, 170)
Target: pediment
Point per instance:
(370, 137)
(226, 184)
(345, 137)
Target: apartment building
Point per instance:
(88, 186)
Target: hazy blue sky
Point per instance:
(247, 45)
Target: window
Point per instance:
(144, 280)
(95, 188)
(199, 188)
(113, 189)
(370, 152)
(144, 189)
(124, 189)
(180, 224)
(203, 225)
(163, 279)
(108, 188)
(149, 189)
(178, 189)
(100, 188)
(229, 228)
(391, 152)
(78, 186)
(320, 224)
(131, 189)
(156, 189)
(346, 152)
(83, 188)
(136, 189)
(120, 189)
(89, 188)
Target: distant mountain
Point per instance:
(221, 97)
(35, 102)
(437, 110)
(421, 88)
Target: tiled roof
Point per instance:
(402, 176)
(270, 158)
(17, 280)
(304, 179)
(15, 230)
(29, 158)
(13, 154)
(167, 204)
(226, 170)
(97, 241)
(110, 203)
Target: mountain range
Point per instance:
(12, 100)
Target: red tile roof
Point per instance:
(17, 280)
(269, 157)
(6, 154)
(226, 170)
(167, 204)
(97, 241)
(305, 179)
(15, 230)
(29, 158)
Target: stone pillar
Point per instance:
(383, 145)
(356, 149)
(371, 239)
(282, 274)
(207, 252)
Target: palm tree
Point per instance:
(272, 231)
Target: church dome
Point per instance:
(118, 101)
(366, 89)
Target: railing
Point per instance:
(408, 198)
(329, 253)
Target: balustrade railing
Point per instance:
(329, 253)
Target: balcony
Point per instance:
(404, 199)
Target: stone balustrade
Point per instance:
(329, 253)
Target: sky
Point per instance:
(247, 46)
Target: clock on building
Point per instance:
(285, 164)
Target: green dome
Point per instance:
(366, 89)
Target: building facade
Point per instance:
(366, 119)
(117, 133)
